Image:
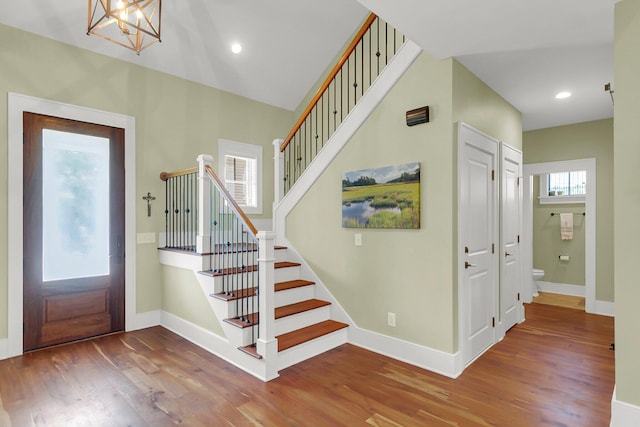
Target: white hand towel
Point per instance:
(566, 226)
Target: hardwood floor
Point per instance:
(560, 300)
(555, 369)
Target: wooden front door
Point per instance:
(73, 230)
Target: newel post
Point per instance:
(203, 241)
(278, 171)
(267, 345)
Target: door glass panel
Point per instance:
(75, 205)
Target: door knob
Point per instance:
(467, 264)
(507, 254)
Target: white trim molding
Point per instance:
(17, 104)
(147, 320)
(623, 414)
(214, 344)
(561, 288)
(3, 349)
(437, 361)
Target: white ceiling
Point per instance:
(525, 50)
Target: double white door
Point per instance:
(489, 267)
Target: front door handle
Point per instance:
(467, 264)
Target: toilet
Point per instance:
(537, 275)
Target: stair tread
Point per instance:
(242, 293)
(246, 269)
(299, 307)
(251, 350)
(230, 270)
(285, 264)
(249, 320)
(291, 284)
(299, 336)
(281, 286)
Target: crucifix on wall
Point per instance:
(148, 198)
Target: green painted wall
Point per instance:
(408, 272)
(175, 121)
(547, 244)
(478, 105)
(627, 199)
(578, 141)
(182, 296)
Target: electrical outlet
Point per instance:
(358, 239)
(391, 319)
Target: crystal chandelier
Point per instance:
(134, 24)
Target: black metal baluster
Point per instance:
(361, 66)
(166, 212)
(369, 54)
(181, 218)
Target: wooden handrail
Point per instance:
(166, 175)
(365, 27)
(234, 206)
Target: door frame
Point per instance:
(533, 169)
(462, 295)
(17, 104)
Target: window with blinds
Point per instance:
(563, 187)
(240, 179)
(240, 168)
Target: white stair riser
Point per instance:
(246, 280)
(233, 259)
(239, 337)
(311, 348)
(229, 309)
(291, 296)
(301, 320)
(286, 274)
(214, 285)
(280, 255)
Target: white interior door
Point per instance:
(477, 217)
(510, 258)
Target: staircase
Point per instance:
(272, 313)
(303, 323)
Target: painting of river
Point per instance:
(386, 197)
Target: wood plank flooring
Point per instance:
(560, 300)
(555, 369)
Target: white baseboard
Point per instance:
(605, 308)
(437, 361)
(215, 344)
(146, 320)
(623, 414)
(561, 288)
(4, 352)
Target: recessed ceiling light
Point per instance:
(563, 95)
(236, 48)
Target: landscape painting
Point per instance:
(387, 197)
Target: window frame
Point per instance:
(545, 199)
(247, 151)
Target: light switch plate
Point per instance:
(358, 239)
(142, 238)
